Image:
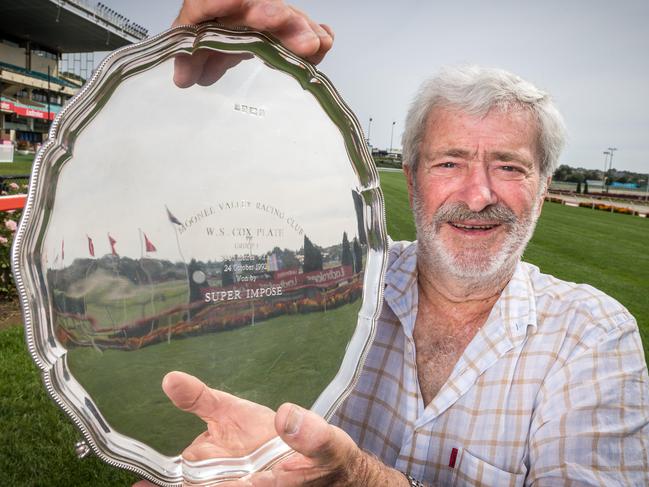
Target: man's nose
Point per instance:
(477, 191)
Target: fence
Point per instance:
(628, 207)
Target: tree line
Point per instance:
(580, 175)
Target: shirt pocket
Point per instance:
(471, 471)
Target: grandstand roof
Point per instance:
(65, 25)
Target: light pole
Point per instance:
(369, 130)
(606, 153)
(610, 165)
(391, 134)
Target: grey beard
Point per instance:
(475, 266)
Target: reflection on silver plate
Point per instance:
(233, 230)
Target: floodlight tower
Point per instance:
(610, 165)
(606, 154)
(391, 135)
(369, 129)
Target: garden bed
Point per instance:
(10, 313)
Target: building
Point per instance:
(37, 38)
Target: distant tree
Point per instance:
(562, 172)
(287, 258)
(585, 186)
(359, 205)
(358, 256)
(578, 187)
(312, 256)
(346, 258)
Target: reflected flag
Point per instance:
(91, 246)
(112, 243)
(271, 263)
(172, 218)
(148, 246)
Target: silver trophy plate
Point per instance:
(233, 230)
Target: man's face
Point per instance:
(477, 192)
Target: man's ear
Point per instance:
(410, 179)
(543, 194)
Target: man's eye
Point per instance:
(511, 169)
(447, 164)
(510, 172)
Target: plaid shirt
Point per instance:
(553, 390)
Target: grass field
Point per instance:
(22, 165)
(609, 251)
(288, 358)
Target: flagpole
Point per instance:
(112, 242)
(148, 276)
(252, 301)
(174, 221)
(85, 303)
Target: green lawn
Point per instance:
(606, 250)
(289, 358)
(22, 165)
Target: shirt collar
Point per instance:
(516, 306)
(401, 292)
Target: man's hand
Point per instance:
(324, 455)
(292, 27)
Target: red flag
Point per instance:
(112, 243)
(147, 244)
(91, 246)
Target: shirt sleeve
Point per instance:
(591, 421)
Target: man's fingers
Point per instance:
(197, 11)
(263, 15)
(325, 36)
(292, 27)
(188, 69)
(217, 64)
(301, 35)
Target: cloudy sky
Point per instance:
(221, 205)
(590, 54)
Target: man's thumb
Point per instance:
(309, 434)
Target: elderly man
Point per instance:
(484, 371)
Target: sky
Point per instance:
(591, 55)
(223, 208)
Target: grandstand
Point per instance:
(35, 37)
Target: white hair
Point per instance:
(476, 90)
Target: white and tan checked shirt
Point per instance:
(552, 391)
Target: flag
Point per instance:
(112, 243)
(147, 244)
(271, 263)
(91, 246)
(172, 218)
